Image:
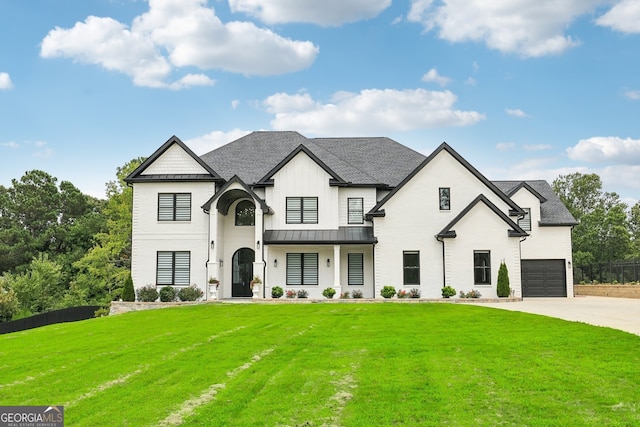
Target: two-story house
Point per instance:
(347, 213)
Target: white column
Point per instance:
(258, 264)
(336, 270)
(213, 266)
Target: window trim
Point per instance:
(485, 268)
(304, 219)
(173, 270)
(405, 282)
(353, 276)
(305, 257)
(359, 213)
(444, 198)
(174, 209)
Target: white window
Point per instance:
(302, 269)
(525, 222)
(355, 210)
(173, 268)
(302, 210)
(355, 273)
(174, 207)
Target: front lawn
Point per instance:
(326, 364)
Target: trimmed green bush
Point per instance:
(503, 281)
(328, 293)
(147, 294)
(167, 294)
(190, 293)
(388, 292)
(128, 293)
(276, 292)
(448, 292)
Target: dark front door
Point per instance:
(242, 265)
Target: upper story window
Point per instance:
(302, 210)
(411, 267)
(245, 213)
(444, 198)
(525, 222)
(174, 207)
(482, 267)
(355, 210)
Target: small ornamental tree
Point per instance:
(503, 281)
(128, 293)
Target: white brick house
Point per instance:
(347, 213)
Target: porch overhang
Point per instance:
(339, 236)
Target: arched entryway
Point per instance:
(242, 273)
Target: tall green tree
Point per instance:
(103, 270)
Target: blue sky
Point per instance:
(523, 89)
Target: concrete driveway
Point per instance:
(617, 313)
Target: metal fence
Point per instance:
(608, 272)
(71, 314)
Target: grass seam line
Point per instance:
(188, 406)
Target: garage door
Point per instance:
(544, 278)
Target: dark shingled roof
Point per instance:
(552, 210)
(358, 161)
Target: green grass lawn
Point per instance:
(326, 364)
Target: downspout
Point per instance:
(444, 271)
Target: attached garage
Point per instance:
(544, 278)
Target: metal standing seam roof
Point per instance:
(342, 235)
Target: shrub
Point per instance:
(471, 294)
(128, 293)
(190, 293)
(403, 294)
(503, 281)
(414, 293)
(276, 292)
(448, 292)
(302, 293)
(388, 291)
(328, 293)
(356, 294)
(8, 305)
(291, 293)
(147, 294)
(101, 312)
(167, 294)
(345, 295)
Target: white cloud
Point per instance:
(632, 94)
(433, 76)
(43, 151)
(600, 149)
(505, 146)
(174, 34)
(515, 112)
(205, 143)
(530, 28)
(623, 16)
(325, 13)
(235, 103)
(11, 144)
(367, 112)
(5, 81)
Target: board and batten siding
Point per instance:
(302, 177)
(174, 161)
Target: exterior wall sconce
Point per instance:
(569, 264)
(220, 261)
(258, 244)
(213, 244)
(275, 263)
(328, 262)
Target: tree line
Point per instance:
(61, 248)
